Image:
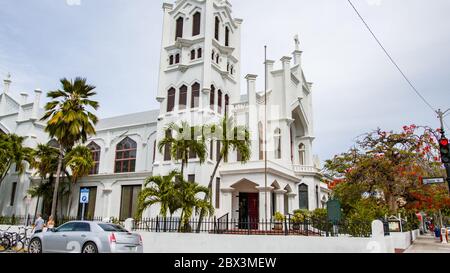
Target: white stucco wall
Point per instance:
(207, 243)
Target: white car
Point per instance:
(86, 237)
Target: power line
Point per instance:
(392, 60)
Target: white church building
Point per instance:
(199, 82)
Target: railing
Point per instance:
(304, 169)
(222, 224)
(249, 226)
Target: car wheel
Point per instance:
(35, 246)
(89, 248)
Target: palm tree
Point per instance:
(190, 202)
(231, 138)
(158, 190)
(12, 152)
(80, 162)
(187, 141)
(45, 162)
(68, 119)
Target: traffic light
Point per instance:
(444, 147)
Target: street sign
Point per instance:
(84, 196)
(334, 210)
(435, 180)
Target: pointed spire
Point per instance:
(7, 83)
(297, 42)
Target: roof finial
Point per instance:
(7, 83)
(297, 42)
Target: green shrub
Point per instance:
(358, 221)
(279, 217)
(306, 214)
(319, 220)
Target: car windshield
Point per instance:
(112, 227)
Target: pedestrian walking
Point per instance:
(50, 223)
(38, 224)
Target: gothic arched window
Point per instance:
(125, 156)
(195, 99)
(301, 154)
(213, 55)
(177, 58)
(199, 53)
(95, 149)
(219, 101)
(212, 95)
(292, 145)
(217, 58)
(183, 97)
(277, 142)
(171, 60)
(227, 36)
(227, 103)
(192, 54)
(216, 28)
(179, 28)
(196, 24)
(303, 196)
(53, 143)
(317, 197)
(170, 99)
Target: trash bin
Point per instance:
(437, 233)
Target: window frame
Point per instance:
(96, 153)
(217, 28)
(131, 201)
(196, 23)
(130, 160)
(219, 101)
(179, 25)
(182, 97)
(195, 95)
(303, 191)
(171, 93)
(277, 143)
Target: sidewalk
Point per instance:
(428, 244)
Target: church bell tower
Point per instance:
(200, 63)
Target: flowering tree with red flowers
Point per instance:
(387, 167)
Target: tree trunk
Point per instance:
(58, 173)
(182, 168)
(36, 209)
(69, 205)
(209, 195)
(9, 164)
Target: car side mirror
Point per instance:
(53, 230)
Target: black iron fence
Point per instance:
(225, 225)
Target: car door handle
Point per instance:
(64, 235)
(84, 236)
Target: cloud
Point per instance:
(116, 46)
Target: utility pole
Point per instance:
(265, 132)
(441, 119)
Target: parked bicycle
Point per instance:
(5, 242)
(15, 241)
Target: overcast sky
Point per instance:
(116, 45)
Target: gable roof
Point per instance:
(140, 118)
